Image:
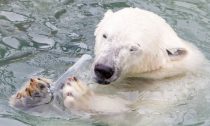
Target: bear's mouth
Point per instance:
(100, 81)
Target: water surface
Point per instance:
(45, 37)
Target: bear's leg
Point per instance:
(77, 95)
(36, 92)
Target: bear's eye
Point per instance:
(104, 36)
(133, 49)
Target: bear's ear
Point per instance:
(106, 17)
(176, 53)
(108, 13)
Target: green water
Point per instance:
(45, 37)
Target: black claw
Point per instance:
(75, 78)
(69, 94)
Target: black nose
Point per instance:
(103, 71)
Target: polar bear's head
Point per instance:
(131, 42)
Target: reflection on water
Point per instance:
(44, 37)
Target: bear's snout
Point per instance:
(103, 72)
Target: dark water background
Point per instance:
(45, 37)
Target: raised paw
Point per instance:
(76, 94)
(35, 92)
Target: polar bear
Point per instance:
(137, 43)
(129, 43)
